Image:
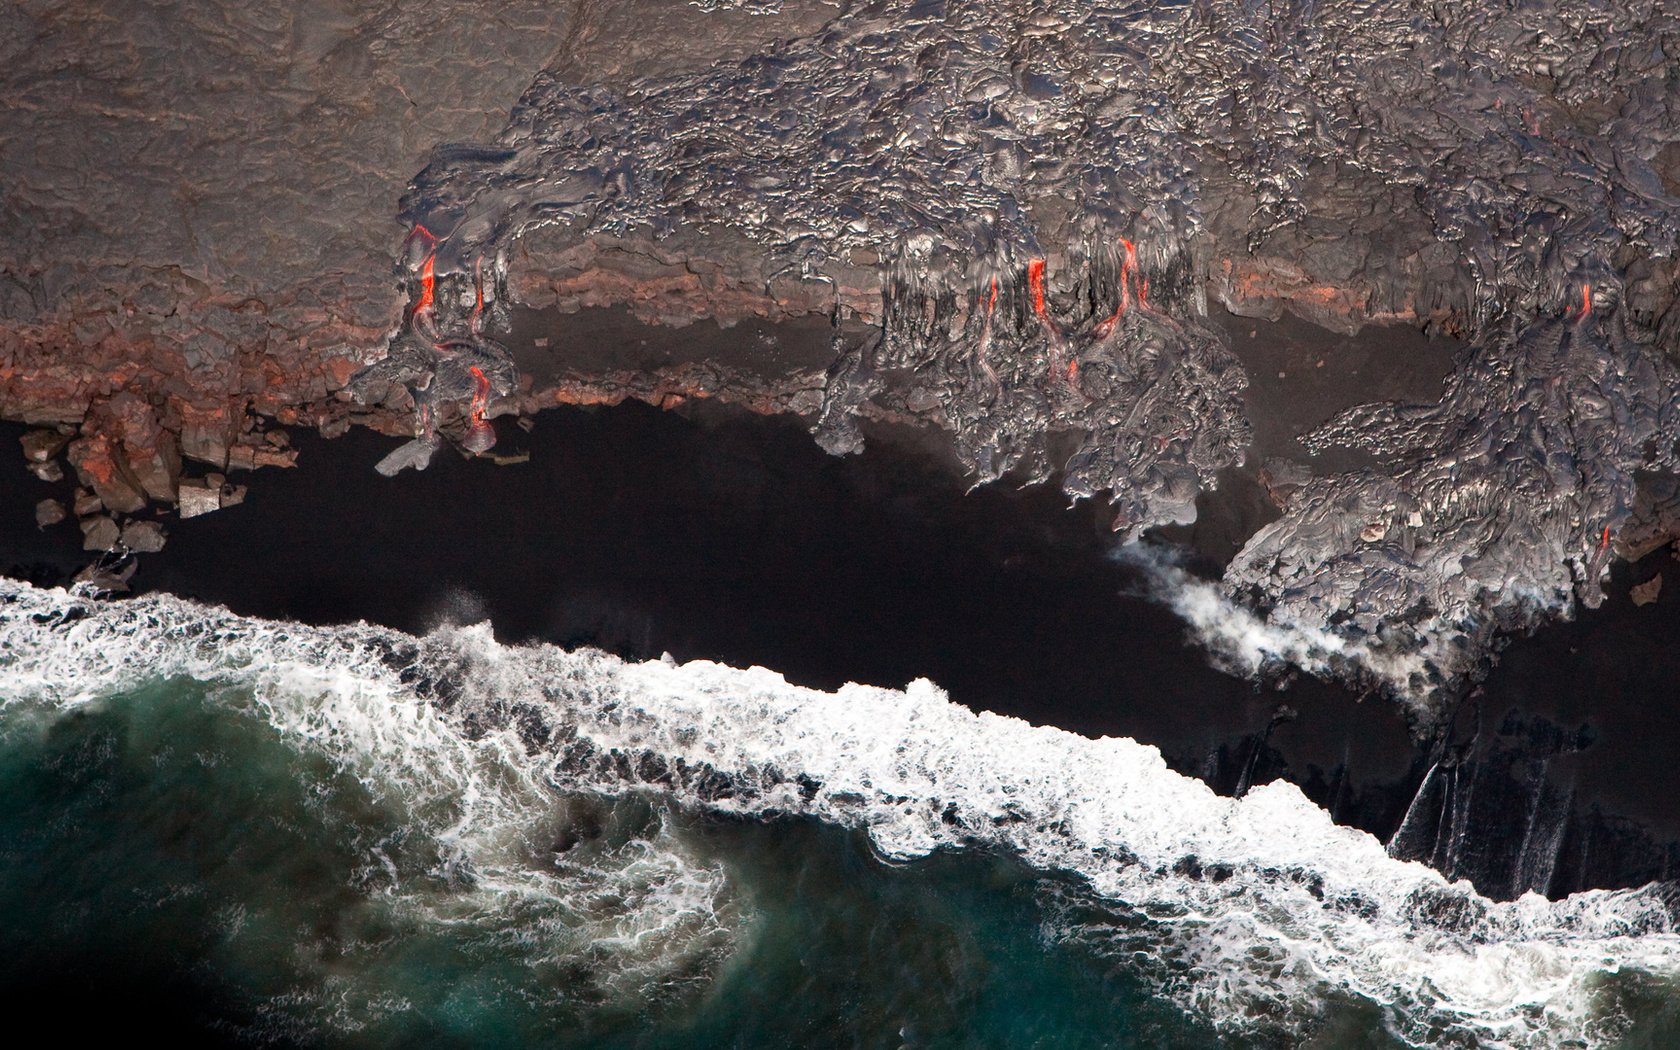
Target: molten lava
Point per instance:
(428, 269)
(1035, 280)
(427, 279)
(481, 436)
(1128, 277)
(478, 293)
(1052, 334)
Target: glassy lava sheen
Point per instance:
(1046, 191)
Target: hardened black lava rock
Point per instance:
(1048, 191)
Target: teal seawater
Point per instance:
(260, 833)
(171, 841)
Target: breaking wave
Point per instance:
(1252, 912)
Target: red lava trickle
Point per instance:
(1586, 303)
(427, 278)
(1128, 275)
(481, 436)
(418, 232)
(481, 394)
(1035, 280)
(428, 269)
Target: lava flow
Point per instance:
(481, 437)
(422, 307)
(1052, 334)
(1128, 275)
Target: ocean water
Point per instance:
(259, 833)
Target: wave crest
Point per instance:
(1249, 906)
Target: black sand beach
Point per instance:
(714, 534)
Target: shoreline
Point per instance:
(710, 533)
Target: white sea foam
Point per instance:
(645, 914)
(1251, 905)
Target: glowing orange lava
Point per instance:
(481, 395)
(1052, 334)
(420, 231)
(1035, 280)
(1586, 304)
(427, 279)
(427, 268)
(1128, 277)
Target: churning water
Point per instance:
(355, 837)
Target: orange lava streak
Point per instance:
(1605, 542)
(1586, 304)
(478, 289)
(481, 394)
(1128, 277)
(991, 304)
(420, 231)
(427, 280)
(427, 268)
(1035, 280)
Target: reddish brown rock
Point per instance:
(150, 452)
(87, 503)
(100, 466)
(206, 442)
(40, 446)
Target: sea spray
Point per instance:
(1252, 906)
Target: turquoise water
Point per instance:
(240, 832)
(163, 833)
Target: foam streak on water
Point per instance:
(1252, 907)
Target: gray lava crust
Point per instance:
(1032, 202)
(1045, 193)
